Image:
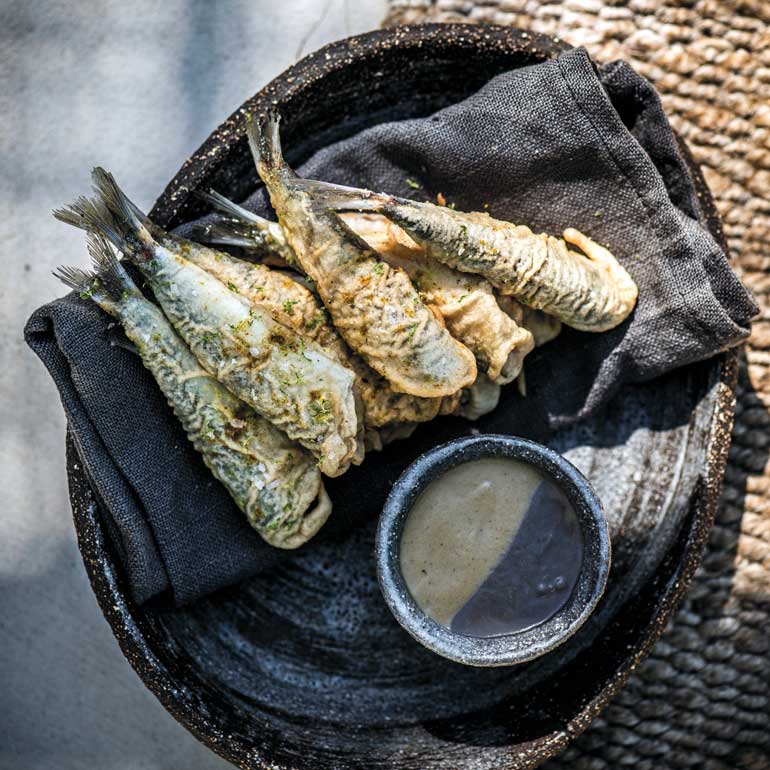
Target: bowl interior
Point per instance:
(305, 667)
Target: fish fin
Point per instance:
(111, 274)
(226, 206)
(116, 336)
(225, 234)
(131, 222)
(88, 285)
(112, 215)
(75, 278)
(342, 198)
(91, 216)
(264, 137)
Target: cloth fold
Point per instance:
(554, 145)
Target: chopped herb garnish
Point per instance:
(232, 287)
(414, 185)
(462, 298)
(320, 410)
(289, 304)
(315, 320)
(244, 323)
(597, 213)
(412, 330)
(206, 430)
(379, 268)
(320, 461)
(89, 292)
(301, 348)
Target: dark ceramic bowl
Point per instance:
(305, 668)
(529, 643)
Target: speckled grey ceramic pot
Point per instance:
(305, 668)
(524, 645)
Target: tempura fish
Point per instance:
(288, 380)
(373, 306)
(466, 302)
(295, 306)
(590, 292)
(274, 481)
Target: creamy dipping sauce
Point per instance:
(491, 547)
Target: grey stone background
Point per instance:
(136, 87)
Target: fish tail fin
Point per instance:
(111, 215)
(76, 278)
(91, 216)
(108, 270)
(264, 136)
(136, 240)
(226, 206)
(89, 285)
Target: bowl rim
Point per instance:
(532, 642)
(134, 632)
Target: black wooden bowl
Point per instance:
(305, 667)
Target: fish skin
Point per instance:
(292, 383)
(373, 306)
(271, 479)
(589, 292)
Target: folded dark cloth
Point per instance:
(553, 145)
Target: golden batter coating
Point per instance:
(466, 302)
(373, 306)
(591, 291)
(295, 306)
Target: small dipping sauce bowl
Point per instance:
(511, 578)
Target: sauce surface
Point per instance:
(490, 548)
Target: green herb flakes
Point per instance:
(320, 410)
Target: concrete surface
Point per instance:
(134, 86)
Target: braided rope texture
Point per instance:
(702, 697)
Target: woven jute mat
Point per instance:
(702, 698)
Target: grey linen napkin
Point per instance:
(552, 145)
